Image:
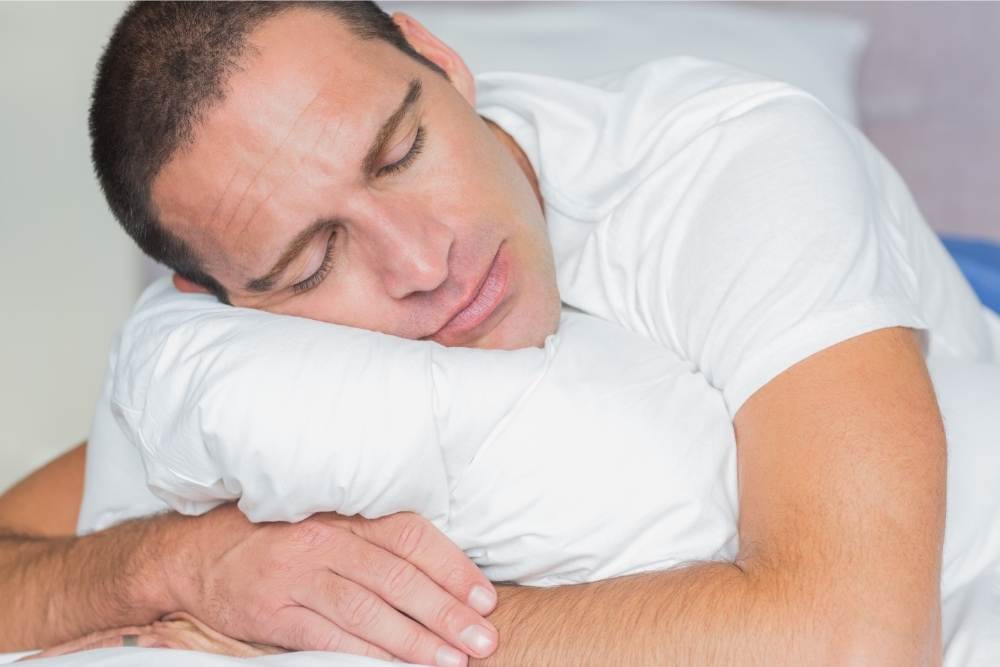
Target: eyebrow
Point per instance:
(303, 238)
(390, 125)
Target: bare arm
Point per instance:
(842, 496)
(47, 502)
(387, 587)
(71, 586)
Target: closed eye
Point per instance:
(323, 270)
(404, 162)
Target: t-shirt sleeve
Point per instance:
(782, 246)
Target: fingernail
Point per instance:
(477, 639)
(482, 600)
(449, 657)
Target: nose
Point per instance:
(411, 252)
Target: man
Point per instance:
(350, 181)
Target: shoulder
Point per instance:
(592, 142)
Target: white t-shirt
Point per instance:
(731, 218)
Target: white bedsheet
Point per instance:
(601, 455)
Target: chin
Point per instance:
(529, 330)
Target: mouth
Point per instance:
(481, 305)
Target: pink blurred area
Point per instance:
(930, 100)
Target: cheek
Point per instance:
(348, 298)
(464, 162)
(475, 200)
(321, 303)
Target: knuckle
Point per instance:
(275, 566)
(287, 630)
(445, 616)
(410, 643)
(310, 534)
(262, 619)
(360, 611)
(410, 535)
(334, 642)
(291, 636)
(456, 579)
(400, 579)
(372, 651)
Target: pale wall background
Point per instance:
(930, 100)
(930, 97)
(67, 274)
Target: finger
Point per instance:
(363, 614)
(416, 540)
(267, 649)
(186, 632)
(410, 590)
(113, 638)
(301, 629)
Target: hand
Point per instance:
(177, 631)
(393, 587)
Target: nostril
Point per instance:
(432, 271)
(412, 254)
(416, 272)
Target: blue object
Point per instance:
(979, 261)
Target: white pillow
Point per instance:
(292, 416)
(816, 52)
(601, 454)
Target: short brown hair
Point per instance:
(165, 64)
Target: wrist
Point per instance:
(153, 578)
(191, 549)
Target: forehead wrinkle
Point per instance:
(255, 77)
(259, 207)
(296, 168)
(315, 151)
(272, 158)
(222, 196)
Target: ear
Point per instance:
(185, 285)
(439, 53)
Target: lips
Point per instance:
(483, 302)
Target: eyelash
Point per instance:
(418, 144)
(324, 269)
(321, 272)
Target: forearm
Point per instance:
(707, 613)
(842, 468)
(59, 588)
(694, 615)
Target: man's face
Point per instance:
(341, 180)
